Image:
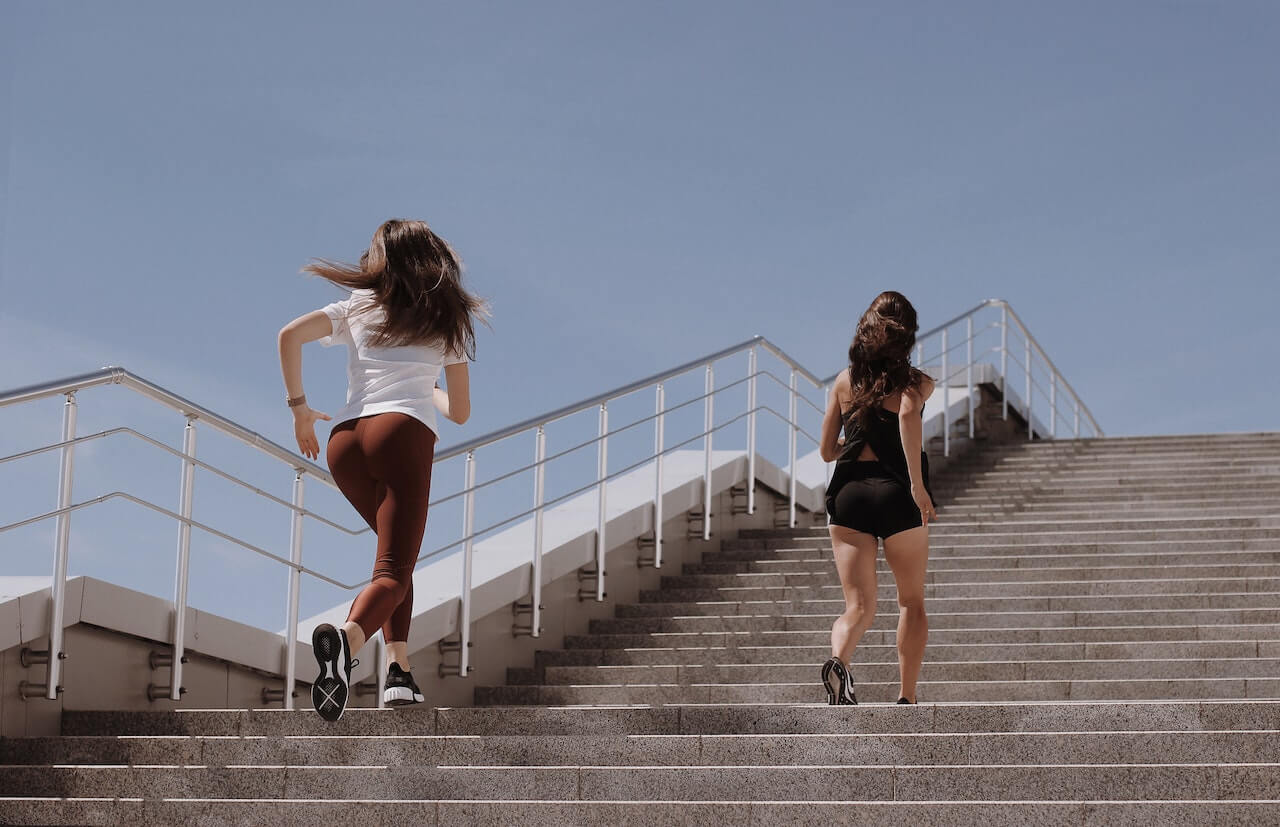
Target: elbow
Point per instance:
(827, 456)
(461, 416)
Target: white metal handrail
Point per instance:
(536, 426)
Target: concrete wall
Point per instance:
(106, 669)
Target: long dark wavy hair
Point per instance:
(416, 278)
(880, 355)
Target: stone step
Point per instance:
(1033, 543)
(826, 811)
(821, 561)
(830, 608)
(956, 534)
(997, 749)
(970, 636)
(888, 653)
(951, 512)
(934, 670)
(885, 691)
(938, 620)
(800, 597)
(647, 719)
(765, 584)
(1031, 782)
(808, 548)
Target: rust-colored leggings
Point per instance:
(382, 464)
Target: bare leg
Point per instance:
(855, 554)
(908, 556)
(398, 652)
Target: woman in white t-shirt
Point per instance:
(407, 320)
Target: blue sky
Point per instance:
(635, 184)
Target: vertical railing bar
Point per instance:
(468, 527)
(539, 494)
(751, 431)
(791, 519)
(62, 543)
(182, 568)
(1076, 417)
(1026, 354)
(1004, 360)
(658, 494)
(708, 419)
(968, 371)
(946, 399)
(380, 665)
(1053, 405)
(294, 599)
(602, 516)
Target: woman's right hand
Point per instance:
(925, 503)
(304, 429)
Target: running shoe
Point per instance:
(401, 688)
(332, 687)
(838, 683)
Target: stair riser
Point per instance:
(670, 750)
(939, 620)
(624, 814)
(887, 692)
(823, 563)
(697, 720)
(667, 783)
(888, 653)
(989, 636)
(933, 671)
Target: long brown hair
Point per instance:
(880, 355)
(416, 278)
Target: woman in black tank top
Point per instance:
(879, 490)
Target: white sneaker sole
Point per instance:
(401, 695)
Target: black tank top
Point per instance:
(883, 435)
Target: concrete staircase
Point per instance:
(1105, 648)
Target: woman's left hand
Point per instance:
(304, 429)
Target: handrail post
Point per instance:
(968, 371)
(1026, 354)
(295, 576)
(1076, 417)
(468, 526)
(708, 419)
(920, 354)
(182, 569)
(62, 543)
(1004, 361)
(791, 512)
(1053, 405)
(539, 493)
(946, 399)
(751, 431)
(658, 439)
(602, 515)
(381, 664)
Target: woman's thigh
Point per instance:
(907, 554)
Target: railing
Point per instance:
(797, 395)
(936, 352)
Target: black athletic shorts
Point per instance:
(873, 502)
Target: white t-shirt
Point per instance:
(384, 379)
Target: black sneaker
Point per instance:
(838, 683)
(905, 701)
(333, 685)
(401, 688)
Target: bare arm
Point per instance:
(911, 429)
(829, 448)
(455, 403)
(293, 336)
